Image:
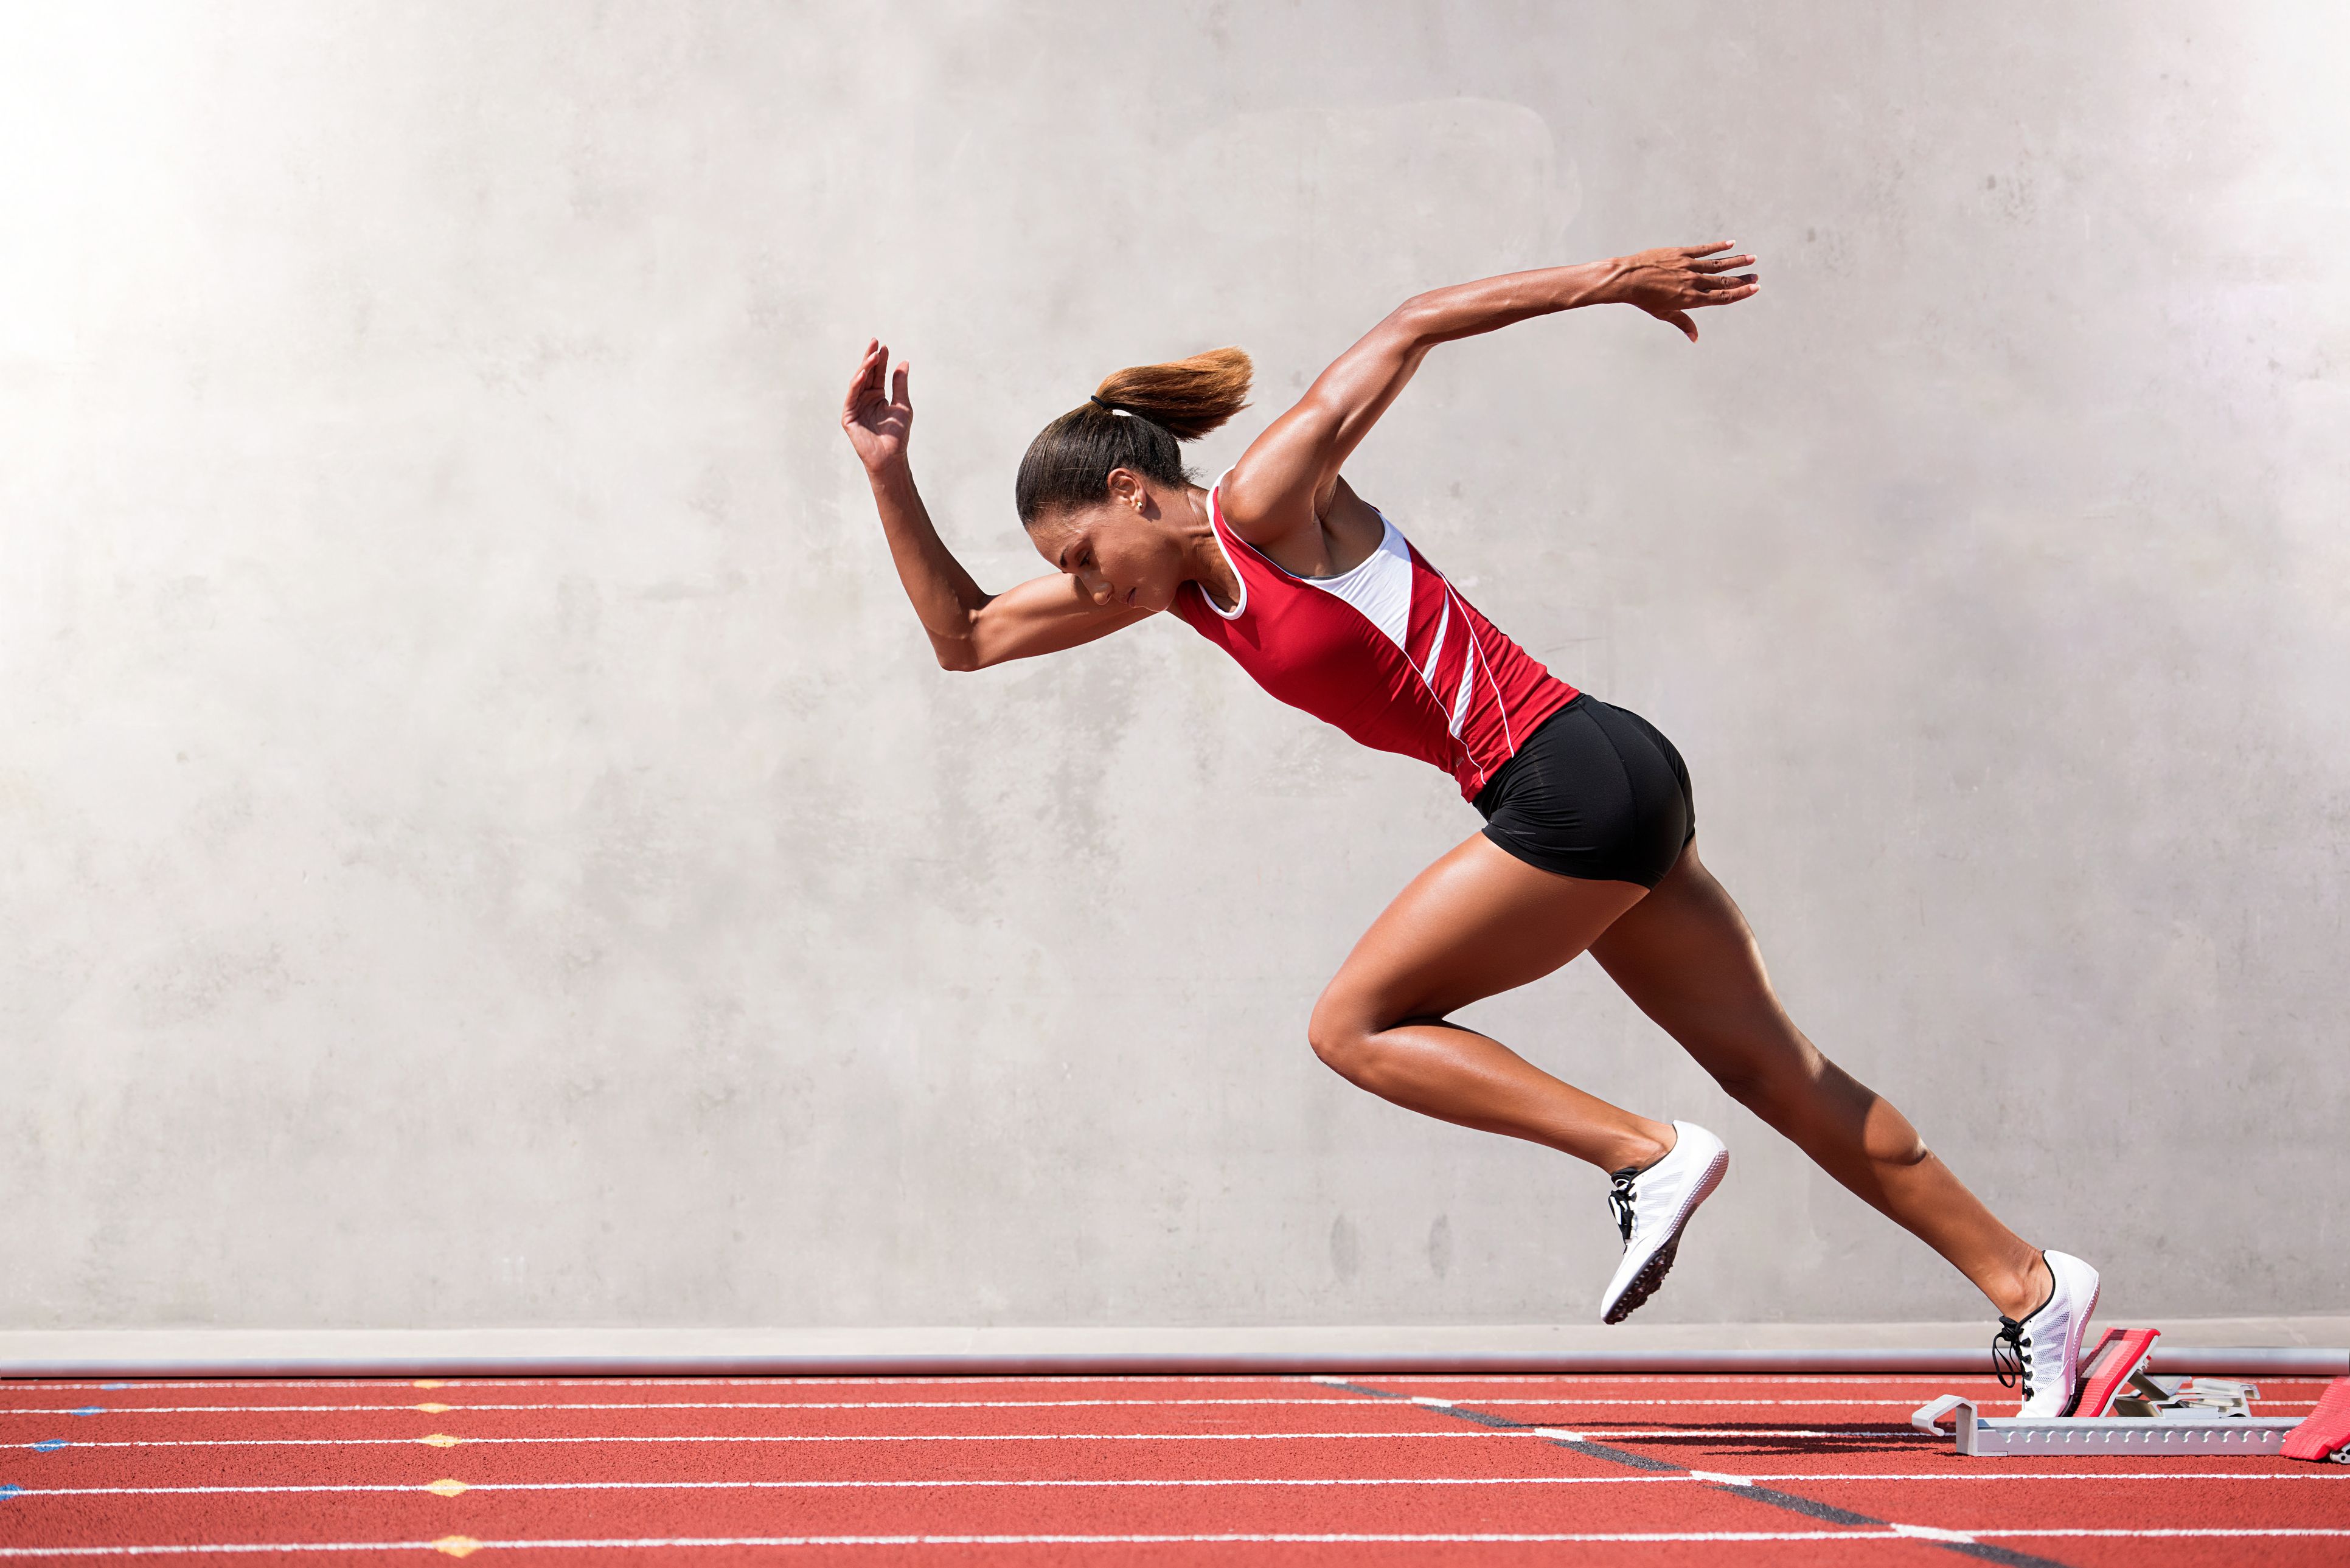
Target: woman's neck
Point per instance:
(1204, 560)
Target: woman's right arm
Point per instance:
(969, 627)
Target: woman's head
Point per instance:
(1115, 461)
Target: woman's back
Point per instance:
(1388, 652)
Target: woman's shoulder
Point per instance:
(1337, 530)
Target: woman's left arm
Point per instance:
(1284, 482)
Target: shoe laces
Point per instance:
(1620, 1199)
(2011, 1356)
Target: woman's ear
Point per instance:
(1128, 489)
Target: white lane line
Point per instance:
(1688, 1402)
(436, 1407)
(463, 1545)
(444, 1441)
(1674, 1379)
(1995, 1474)
(454, 1488)
(1586, 1379)
(1429, 1400)
(821, 1381)
(451, 1488)
(972, 1404)
(2149, 1533)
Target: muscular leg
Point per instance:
(1477, 922)
(1685, 956)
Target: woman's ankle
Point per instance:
(2024, 1291)
(1638, 1147)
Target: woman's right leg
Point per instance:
(1478, 923)
(1685, 956)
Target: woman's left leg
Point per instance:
(1477, 922)
(1688, 961)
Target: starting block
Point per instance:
(2326, 1434)
(2122, 1409)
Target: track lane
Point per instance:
(486, 1514)
(1661, 1548)
(1441, 1453)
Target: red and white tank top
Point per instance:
(1388, 652)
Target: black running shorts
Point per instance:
(1595, 792)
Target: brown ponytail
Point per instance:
(1135, 419)
(1189, 396)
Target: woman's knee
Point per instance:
(1775, 1078)
(1754, 1079)
(1342, 1041)
(1806, 1095)
(1348, 1040)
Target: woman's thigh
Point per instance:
(1687, 958)
(1477, 922)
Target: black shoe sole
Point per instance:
(1644, 1284)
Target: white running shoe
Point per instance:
(1652, 1205)
(2045, 1349)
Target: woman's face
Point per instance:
(1119, 548)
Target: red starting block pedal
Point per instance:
(2119, 1356)
(2326, 1434)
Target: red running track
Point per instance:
(964, 1472)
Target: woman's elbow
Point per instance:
(957, 653)
(1414, 321)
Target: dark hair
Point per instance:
(1137, 419)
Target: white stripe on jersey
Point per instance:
(1468, 673)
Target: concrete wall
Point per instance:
(482, 841)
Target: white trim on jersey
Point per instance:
(1379, 585)
(1214, 510)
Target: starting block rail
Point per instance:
(2121, 1409)
(1996, 1436)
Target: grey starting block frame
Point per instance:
(1999, 1437)
(2131, 1413)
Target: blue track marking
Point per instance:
(89, 1410)
(8, 1490)
(49, 1445)
(111, 1388)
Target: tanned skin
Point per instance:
(1479, 921)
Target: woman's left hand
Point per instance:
(880, 421)
(1671, 282)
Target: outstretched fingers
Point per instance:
(866, 383)
(1712, 277)
(1712, 281)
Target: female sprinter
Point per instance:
(1588, 838)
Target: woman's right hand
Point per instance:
(878, 421)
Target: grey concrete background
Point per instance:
(485, 842)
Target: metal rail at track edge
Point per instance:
(2221, 1361)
